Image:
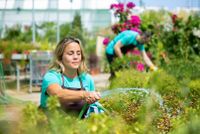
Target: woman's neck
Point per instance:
(71, 74)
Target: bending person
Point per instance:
(126, 41)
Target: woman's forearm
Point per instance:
(66, 95)
(70, 95)
(117, 49)
(146, 59)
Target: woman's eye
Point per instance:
(70, 53)
(78, 53)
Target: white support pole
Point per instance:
(31, 75)
(2, 26)
(58, 24)
(18, 77)
(33, 22)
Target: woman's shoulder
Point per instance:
(52, 73)
(86, 76)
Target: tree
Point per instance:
(77, 29)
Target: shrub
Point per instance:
(167, 86)
(183, 69)
(129, 78)
(194, 93)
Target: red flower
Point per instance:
(123, 29)
(174, 18)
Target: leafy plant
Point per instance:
(170, 90)
(194, 93)
(129, 78)
(183, 69)
(126, 62)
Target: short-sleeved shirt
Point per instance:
(127, 37)
(54, 77)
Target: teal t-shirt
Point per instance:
(127, 37)
(54, 77)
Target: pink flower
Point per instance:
(136, 52)
(140, 67)
(130, 5)
(106, 41)
(121, 6)
(135, 20)
(124, 22)
(113, 6)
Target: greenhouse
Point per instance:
(93, 66)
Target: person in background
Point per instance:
(67, 78)
(126, 41)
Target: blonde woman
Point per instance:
(67, 77)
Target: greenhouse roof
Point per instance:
(61, 4)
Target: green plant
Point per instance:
(126, 62)
(49, 29)
(183, 69)
(129, 78)
(194, 93)
(170, 90)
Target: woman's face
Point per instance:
(72, 56)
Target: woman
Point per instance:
(67, 78)
(126, 41)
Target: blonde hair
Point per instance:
(57, 64)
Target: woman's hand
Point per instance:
(153, 68)
(91, 97)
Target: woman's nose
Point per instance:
(75, 56)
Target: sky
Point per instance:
(171, 4)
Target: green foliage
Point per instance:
(76, 23)
(64, 30)
(19, 33)
(164, 83)
(129, 78)
(49, 31)
(12, 33)
(151, 18)
(187, 123)
(53, 103)
(76, 29)
(33, 120)
(194, 93)
(170, 90)
(184, 69)
(179, 37)
(153, 116)
(102, 124)
(125, 62)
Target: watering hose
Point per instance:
(119, 90)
